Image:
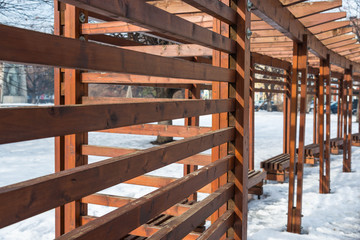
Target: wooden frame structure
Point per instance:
(293, 33)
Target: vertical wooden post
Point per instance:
(299, 66)
(192, 121)
(59, 11)
(324, 186)
(74, 90)
(220, 91)
(347, 113)
(327, 79)
(316, 112)
(240, 118)
(340, 108)
(252, 117)
(321, 124)
(286, 113)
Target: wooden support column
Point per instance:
(347, 115)
(327, 79)
(240, 118)
(324, 186)
(286, 113)
(316, 112)
(59, 11)
(220, 91)
(194, 93)
(299, 66)
(320, 138)
(252, 117)
(74, 90)
(340, 109)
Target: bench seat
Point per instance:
(276, 167)
(336, 144)
(312, 152)
(255, 182)
(356, 139)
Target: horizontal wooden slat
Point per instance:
(25, 46)
(269, 90)
(26, 199)
(321, 18)
(111, 100)
(175, 50)
(142, 14)
(119, 78)
(219, 227)
(160, 130)
(182, 225)
(255, 177)
(309, 8)
(116, 201)
(142, 231)
(158, 182)
(216, 9)
(19, 124)
(199, 159)
(149, 206)
(269, 61)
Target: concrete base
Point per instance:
(14, 99)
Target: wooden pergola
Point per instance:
(212, 45)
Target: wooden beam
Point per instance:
(199, 159)
(140, 210)
(305, 9)
(160, 130)
(219, 227)
(57, 189)
(334, 33)
(282, 19)
(216, 9)
(182, 225)
(181, 50)
(63, 120)
(342, 43)
(70, 53)
(327, 78)
(240, 119)
(328, 27)
(117, 201)
(321, 18)
(139, 12)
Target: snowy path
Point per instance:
(333, 216)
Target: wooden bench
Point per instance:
(255, 182)
(276, 168)
(312, 152)
(335, 145)
(356, 139)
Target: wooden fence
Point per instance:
(210, 49)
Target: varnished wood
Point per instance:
(160, 200)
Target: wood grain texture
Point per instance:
(19, 124)
(41, 194)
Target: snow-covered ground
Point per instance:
(332, 216)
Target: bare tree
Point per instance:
(31, 14)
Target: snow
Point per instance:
(330, 216)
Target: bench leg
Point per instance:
(257, 189)
(334, 150)
(310, 160)
(278, 176)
